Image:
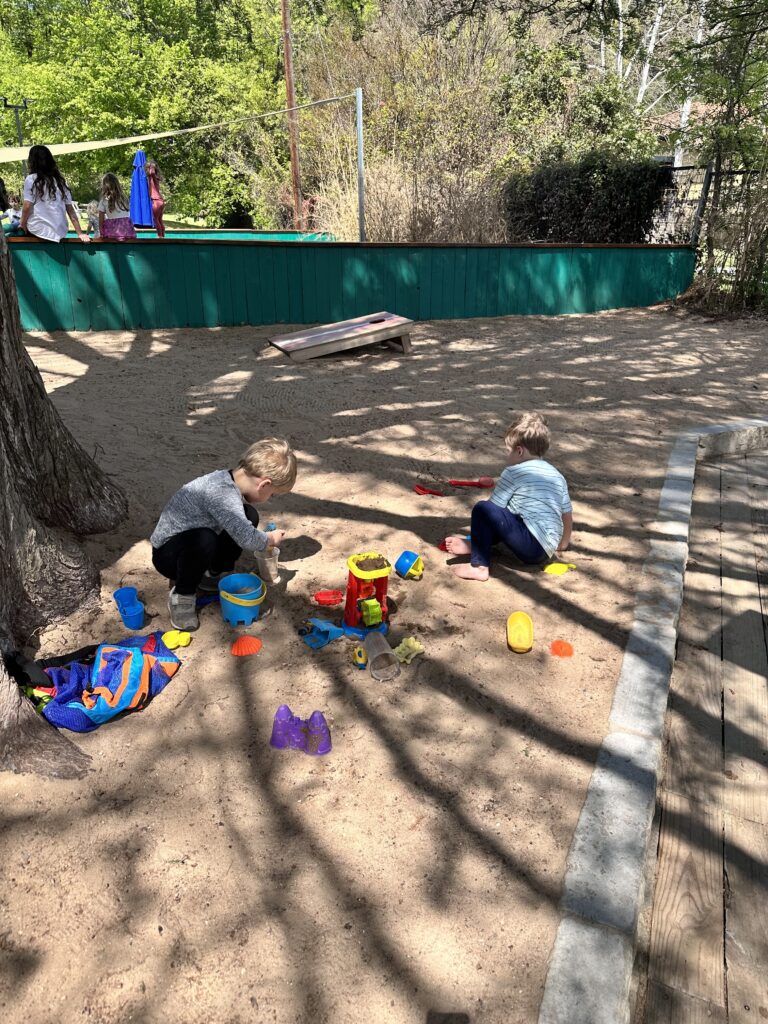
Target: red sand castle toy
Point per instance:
(365, 610)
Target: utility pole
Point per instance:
(16, 107)
(293, 123)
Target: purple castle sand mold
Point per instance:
(311, 735)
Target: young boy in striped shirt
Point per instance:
(529, 510)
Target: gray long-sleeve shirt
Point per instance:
(211, 501)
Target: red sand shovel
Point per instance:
(484, 482)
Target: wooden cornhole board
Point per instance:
(364, 330)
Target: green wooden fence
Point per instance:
(201, 283)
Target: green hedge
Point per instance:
(595, 199)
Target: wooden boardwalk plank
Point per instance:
(746, 920)
(686, 951)
(667, 1006)
(745, 665)
(694, 726)
(757, 473)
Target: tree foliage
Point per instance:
(99, 69)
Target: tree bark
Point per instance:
(49, 489)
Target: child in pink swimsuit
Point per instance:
(158, 203)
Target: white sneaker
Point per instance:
(183, 611)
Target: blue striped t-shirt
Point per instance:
(538, 493)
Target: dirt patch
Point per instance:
(371, 564)
(197, 875)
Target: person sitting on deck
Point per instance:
(47, 199)
(115, 223)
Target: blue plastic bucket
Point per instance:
(130, 607)
(241, 595)
(409, 566)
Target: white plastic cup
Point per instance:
(269, 570)
(381, 660)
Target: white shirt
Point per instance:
(117, 214)
(14, 216)
(538, 493)
(48, 218)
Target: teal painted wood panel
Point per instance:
(354, 282)
(281, 284)
(57, 301)
(190, 271)
(315, 298)
(295, 287)
(146, 264)
(29, 289)
(585, 275)
(164, 311)
(480, 305)
(515, 275)
(137, 285)
(259, 267)
(84, 286)
(406, 273)
(108, 312)
(332, 277)
(237, 285)
(175, 286)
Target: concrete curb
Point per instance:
(590, 969)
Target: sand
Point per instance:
(413, 875)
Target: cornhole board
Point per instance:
(346, 334)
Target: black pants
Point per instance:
(186, 556)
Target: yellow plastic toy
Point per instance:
(519, 632)
(407, 650)
(558, 568)
(176, 638)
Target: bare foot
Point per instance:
(456, 545)
(471, 572)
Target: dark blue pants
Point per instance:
(491, 525)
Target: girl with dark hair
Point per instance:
(114, 220)
(47, 200)
(154, 177)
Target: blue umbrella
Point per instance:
(141, 207)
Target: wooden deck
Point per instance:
(708, 950)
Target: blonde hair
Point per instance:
(530, 430)
(272, 459)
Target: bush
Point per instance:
(595, 199)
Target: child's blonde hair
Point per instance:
(272, 459)
(530, 430)
(112, 191)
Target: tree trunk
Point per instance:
(49, 489)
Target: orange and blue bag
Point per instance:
(118, 678)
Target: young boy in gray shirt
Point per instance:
(208, 523)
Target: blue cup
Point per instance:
(130, 607)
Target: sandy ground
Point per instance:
(413, 875)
